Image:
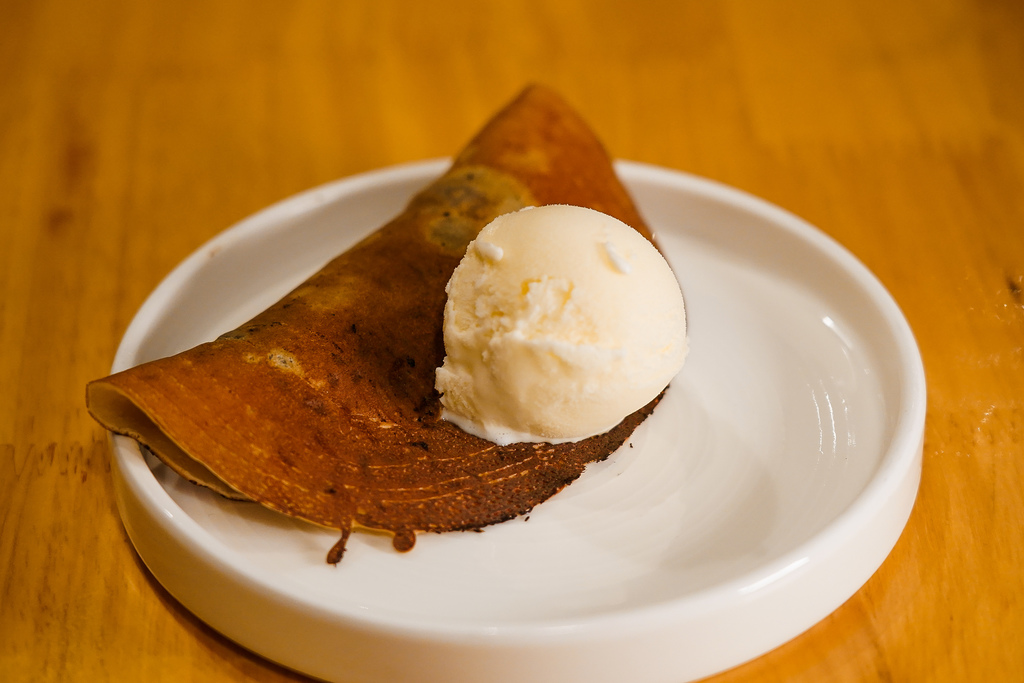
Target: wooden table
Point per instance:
(131, 132)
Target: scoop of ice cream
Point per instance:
(560, 322)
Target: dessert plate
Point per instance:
(770, 483)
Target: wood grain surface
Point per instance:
(131, 132)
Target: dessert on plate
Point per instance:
(324, 406)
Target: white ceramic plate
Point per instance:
(768, 486)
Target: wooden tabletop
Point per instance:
(131, 132)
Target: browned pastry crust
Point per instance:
(323, 406)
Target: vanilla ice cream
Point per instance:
(560, 322)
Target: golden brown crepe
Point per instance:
(323, 406)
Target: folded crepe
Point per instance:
(323, 406)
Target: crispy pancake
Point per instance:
(323, 406)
